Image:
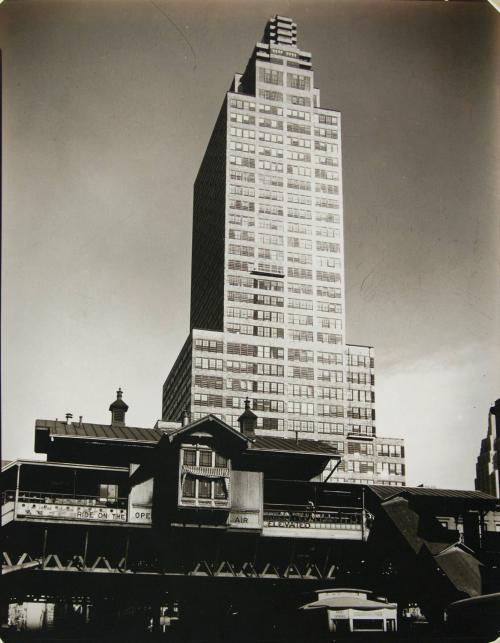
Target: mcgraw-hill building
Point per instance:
(268, 284)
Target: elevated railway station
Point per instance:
(128, 527)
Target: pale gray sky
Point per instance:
(108, 106)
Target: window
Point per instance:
(331, 427)
(390, 450)
(267, 94)
(204, 477)
(108, 493)
(298, 81)
(301, 335)
(205, 458)
(220, 460)
(189, 487)
(204, 488)
(270, 76)
(242, 118)
(327, 118)
(306, 426)
(299, 100)
(270, 424)
(301, 390)
(303, 408)
(208, 381)
(220, 489)
(300, 355)
(301, 372)
(189, 456)
(367, 624)
(242, 104)
(274, 406)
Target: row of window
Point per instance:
(275, 352)
(294, 355)
(292, 242)
(323, 375)
(301, 258)
(256, 331)
(391, 450)
(292, 141)
(297, 355)
(280, 424)
(277, 332)
(275, 77)
(203, 457)
(278, 111)
(273, 95)
(295, 128)
(277, 406)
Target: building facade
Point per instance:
(268, 283)
(488, 461)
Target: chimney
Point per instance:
(69, 416)
(118, 409)
(248, 421)
(185, 418)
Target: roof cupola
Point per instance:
(248, 421)
(118, 409)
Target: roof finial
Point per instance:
(247, 404)
(119, 393)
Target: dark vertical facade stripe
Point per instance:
(208, 249)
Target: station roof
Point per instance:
(439, 499)
(385, 493)
(289, 445)
(113, 432)
(130, 434)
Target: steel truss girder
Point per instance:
(303, 570)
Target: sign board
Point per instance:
(240, 519)
(139, 514)
(140, 500)
(70, 512)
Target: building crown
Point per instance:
(280, 31)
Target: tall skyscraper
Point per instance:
(488, 461)
(267, 284)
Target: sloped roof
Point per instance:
(386, 492)
(348, 602)
(208, 418)
(462, 568)
(289, 445)
(99, 431)
(143, 435)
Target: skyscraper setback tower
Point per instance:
(267, 284)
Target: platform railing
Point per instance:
(42, 497)
(279, 515)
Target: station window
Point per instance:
(205, 458)
(108, 493)
(189, 487)
(189, 456)
(204, 477)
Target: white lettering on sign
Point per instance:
(71, 512)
